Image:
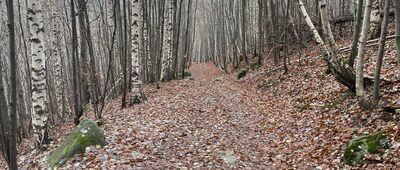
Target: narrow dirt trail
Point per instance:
(188, 124)
(215, 122)
(218, 122)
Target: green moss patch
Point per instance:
(86, 134)
(358, 148)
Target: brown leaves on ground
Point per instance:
(267, 120)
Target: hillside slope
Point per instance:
(267, 120)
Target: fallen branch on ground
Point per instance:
(370, 43)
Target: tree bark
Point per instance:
(342, 72)
(397, 23)
(244, 50)
(137, 91)
(381, 52)
(166, 55)
(361, 52)
(58, 72)
(76, 77)
(375, 20)
(85, 96)
(356, 34)
(12, 124)
(40, 112)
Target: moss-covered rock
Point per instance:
(357, 148)
(242, 73)
(86, 134)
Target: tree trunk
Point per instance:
(57, 63)
(274, 28)
(356, 34)
(166, 57)
(40, 112)
(397, 21)
(375, 20)
(361, 52)
(244, 50)
(286, 46)
(76, 77)
(381, 51)
(260, 34)
(85, 96)
(137, 91)
(4, 120)
(13, 91)
(187, 39)
(342, 72)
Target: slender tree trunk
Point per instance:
(397, 21)
(4, 120)
(122, 49)
(187, 38)
(356, 34)
(165, 64)
(94, 81)
(244, 50)
(57, 63)
(274, 28)
(260, 34)
(361, 52)
(12, 161)
(286, 46)
(381, 51)
(327, 28)
(83, 53)
(76, 77)
(175, 48)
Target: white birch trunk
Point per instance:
(327, 28)
(137, 92)
(361, 51)
(343, 72)
(39, 99)
(165, 63)
(307, 18)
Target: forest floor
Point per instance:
(267, 120)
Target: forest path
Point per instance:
(208, 122)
